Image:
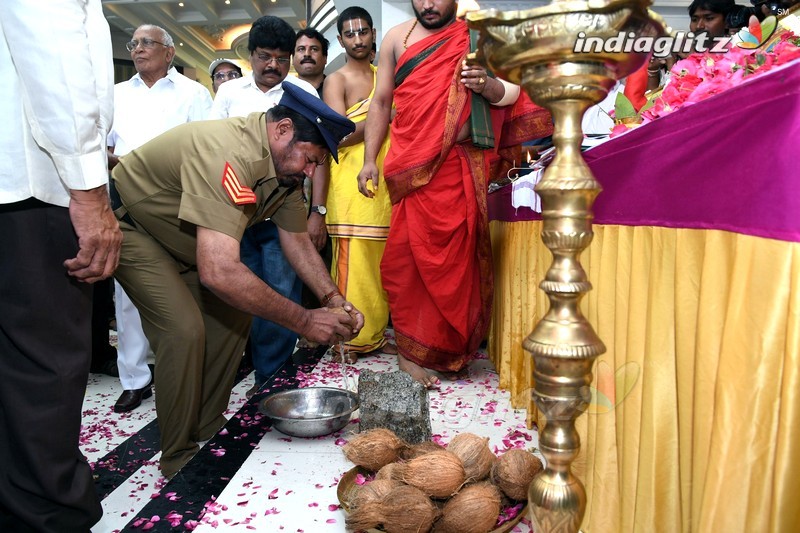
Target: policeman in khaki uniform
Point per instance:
(186, 198)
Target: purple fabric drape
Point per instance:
(727, 163)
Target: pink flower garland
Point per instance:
(701, 76)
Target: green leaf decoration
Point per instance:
(650, 103)
(623, 108)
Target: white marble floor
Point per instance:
(250, 477)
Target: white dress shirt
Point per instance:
(142, 113)
(240, 97)
(57, 73)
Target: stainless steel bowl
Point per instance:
(310, 412)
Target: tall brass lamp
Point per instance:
(541, 50)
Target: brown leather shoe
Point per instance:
(131, 399)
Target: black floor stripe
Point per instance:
(207, 474)
(119, 464)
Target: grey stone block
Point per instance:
(394, 401)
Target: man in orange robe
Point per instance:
(436, 267)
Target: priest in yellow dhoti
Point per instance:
(358, 226)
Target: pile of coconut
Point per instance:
(426, 487)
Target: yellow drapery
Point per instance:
(705, 327)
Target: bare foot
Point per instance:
(350, 357)
(419, 374)
(456, 376)
(388, 348)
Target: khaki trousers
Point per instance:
(198, 340)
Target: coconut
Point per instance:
(375, 490)
(438, 474)
(514, 471)
(402, 510)
(386, 471)
(415, 450)
(473, 510)
(474, 452)
(373, 449)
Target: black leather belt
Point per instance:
(116, 204)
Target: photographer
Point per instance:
(712, 17)
(709, 16)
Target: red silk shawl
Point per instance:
(432, 107)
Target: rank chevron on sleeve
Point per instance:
(240, 194)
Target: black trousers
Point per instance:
(46, 484)
(102, 312)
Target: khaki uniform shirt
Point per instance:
(216, 174)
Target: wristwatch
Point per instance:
(321, 209)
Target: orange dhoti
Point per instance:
(436, 267)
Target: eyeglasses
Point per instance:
(230, 75)
(266, 58)
(145, 42)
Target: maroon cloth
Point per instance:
(728, 163)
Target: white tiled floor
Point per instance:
(287, 483)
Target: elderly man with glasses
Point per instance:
(152, 102)
(271, 43)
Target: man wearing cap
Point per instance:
(186, 199)
(270, 42)
(222, 70)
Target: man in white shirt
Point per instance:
(153, 101)
(310, 57)
(270, 62)
(271, 42)
(57, 236)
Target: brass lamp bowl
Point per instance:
(531, 47)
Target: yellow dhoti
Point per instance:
(358, 227)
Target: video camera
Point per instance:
(739, 16)
(773, 7)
